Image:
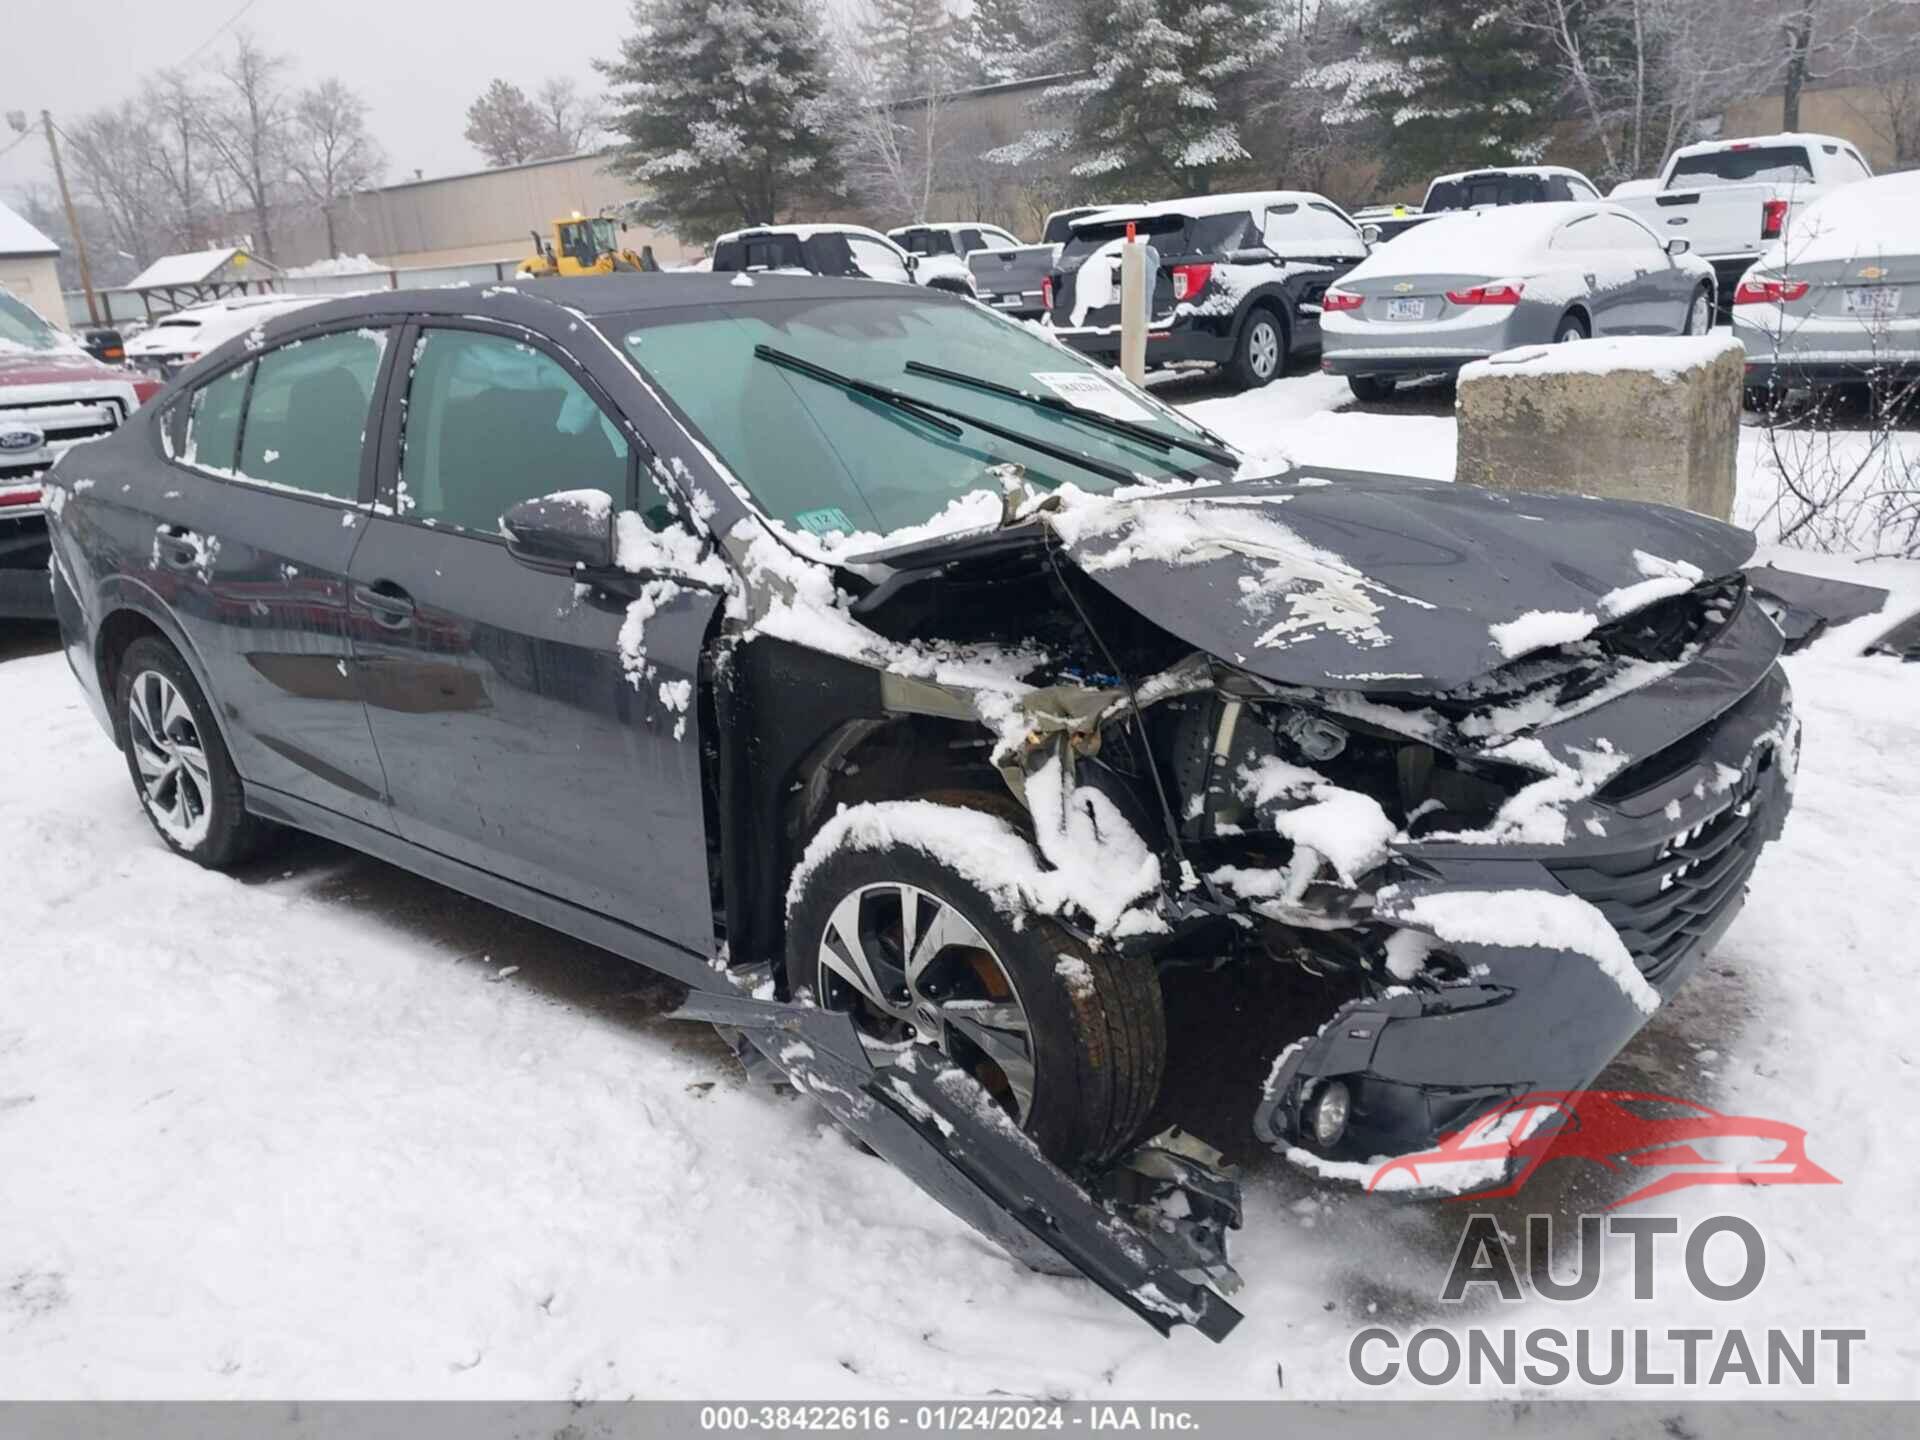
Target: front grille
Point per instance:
(1664, 899)
(64, 423)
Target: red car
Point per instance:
(1624, 1131)
(53, 396)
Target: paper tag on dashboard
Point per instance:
(1085, 390)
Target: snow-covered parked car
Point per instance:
(931, 703)
(943, 248)
(1463, 287)
(837, 251)
(53, 397)
(1487, 188)
(1733, 198)
(175, 341)
(1837, 303)
(1238, 283)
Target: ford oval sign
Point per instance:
(18, 438)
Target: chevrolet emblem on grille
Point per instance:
(16, 438)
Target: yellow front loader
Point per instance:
(583, 246)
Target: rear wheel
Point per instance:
(1261, 352)
(181, 771)
(1070, 1041)
(1572, 327)
(1700, 312)
(1371, 389)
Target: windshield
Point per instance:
(821, 459)
(1470, 192)
(22, 328)
(1775, 164)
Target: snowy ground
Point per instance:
(302, 1132)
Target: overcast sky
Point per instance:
(417, 62)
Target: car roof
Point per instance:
(803, 232)
(1479, 170)
(1200, 205)
(593, 297)
(945, 225)
(1754, 142)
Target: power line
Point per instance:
(225, 25)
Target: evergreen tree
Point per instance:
(1015, 40)
(1163, 110)
(1451, 83)
(914, 47)
(723, 112)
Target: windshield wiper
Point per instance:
(930, 412)
(1146, 434)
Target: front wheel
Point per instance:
(181, 771)
(1261, 352)
(1700, 312)
(1069, 1040)
(1572, 327)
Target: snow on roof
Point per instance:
(803, 232)
(1459, 175)
(1754, 142)
(1197, 205)
(192, 268)
(1495, 241)
(17, 237)
(1873, 217)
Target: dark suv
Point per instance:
(1238, 284)
(926, 701)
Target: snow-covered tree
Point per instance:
(723, 110)
(1163, 108)
(1015, 40)
(1450, 83)
(507, 127)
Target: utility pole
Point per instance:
(73, 220)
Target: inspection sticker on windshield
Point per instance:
(1085, 390)
(829, 521)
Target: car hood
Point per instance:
(1375, 583)
(53, 367)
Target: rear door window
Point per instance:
(1776, 164)
(877, 261)
(307, 416)
(492, 421)
(213, 420)
(1311, 229)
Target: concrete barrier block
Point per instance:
(1635, 418)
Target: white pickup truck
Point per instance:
(1731, 199)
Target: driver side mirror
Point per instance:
(1678, 246)
(1370, 233)
(913, 261)
(562, 533)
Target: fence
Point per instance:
(119, 306)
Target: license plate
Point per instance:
(1873, 300)
(1010, 301)
(1406, 309)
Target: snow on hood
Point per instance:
(1381, 583)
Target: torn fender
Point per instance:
(934, 1124)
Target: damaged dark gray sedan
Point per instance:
(933, 705)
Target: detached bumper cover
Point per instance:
(1668, 877)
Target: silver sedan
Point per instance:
(1837, 300)
(1466, 286)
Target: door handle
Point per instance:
(171, 549)
(389, 604)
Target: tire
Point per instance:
(1260, 354)
(1571, 327)
(1095, 1035)
(1699, 312)
(196, 806)
(1372, 389)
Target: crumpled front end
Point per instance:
(1499, 884)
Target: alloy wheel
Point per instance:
(1699, 314)
(1263, 348)
(175, 783)
(910, 968)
